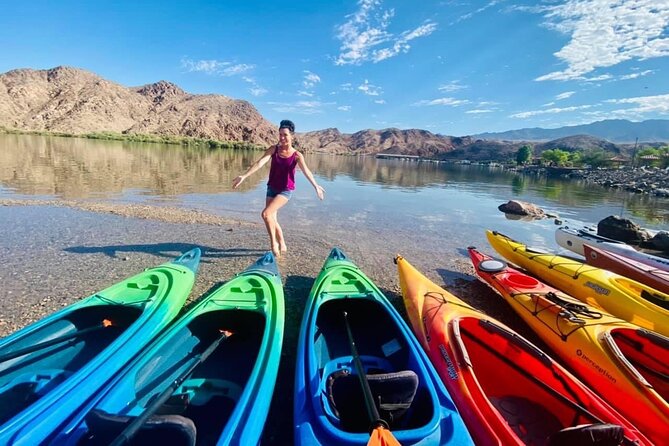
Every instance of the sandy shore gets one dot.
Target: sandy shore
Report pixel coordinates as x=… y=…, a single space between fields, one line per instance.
x=55 y=252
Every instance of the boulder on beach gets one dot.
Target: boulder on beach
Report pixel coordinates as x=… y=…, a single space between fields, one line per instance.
x=622 y=229
x=660 y=241
x=516 y=207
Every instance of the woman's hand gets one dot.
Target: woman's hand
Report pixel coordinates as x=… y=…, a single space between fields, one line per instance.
x=237 y=181
x=320 y=192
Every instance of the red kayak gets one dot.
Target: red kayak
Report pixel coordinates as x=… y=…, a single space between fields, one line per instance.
x=507 y=390
x=625 y=266
x=626 y=365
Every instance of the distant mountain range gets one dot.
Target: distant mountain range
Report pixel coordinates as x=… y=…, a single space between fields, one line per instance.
x=75 y=101
x=614 y=130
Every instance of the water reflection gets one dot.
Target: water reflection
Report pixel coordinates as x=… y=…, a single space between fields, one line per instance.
x=72 y=168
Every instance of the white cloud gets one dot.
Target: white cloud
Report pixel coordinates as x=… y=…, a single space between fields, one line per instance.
x=365 y=36
x=469 y=15
x=452 y=86
x=236 y=69
x=442 y=101
x=305 y=93
x=369 y=89
x=300 y=107
x=380 y=101
x=215 y=67
x=257 y=91
x=310 y=79
x=565 y=95
x=600 y=78
x=478 y=111
x=636 y=75
x=646 y=104
x=549 y=111
x=344 y=108
x=605 y=33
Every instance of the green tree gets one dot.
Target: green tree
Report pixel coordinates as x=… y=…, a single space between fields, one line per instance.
x=575 y=158
x=596 y=158
x=556 y=156
x=524 y=155
x=648 y=151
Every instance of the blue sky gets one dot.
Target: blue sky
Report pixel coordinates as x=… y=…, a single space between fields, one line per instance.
x=450 y=67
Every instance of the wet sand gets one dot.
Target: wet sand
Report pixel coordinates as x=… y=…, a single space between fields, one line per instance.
x=56 y=252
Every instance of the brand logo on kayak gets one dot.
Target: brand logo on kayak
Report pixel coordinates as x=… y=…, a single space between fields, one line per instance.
x=598 y=289
x=450 y=368
x=426 y=330
x=596 y=366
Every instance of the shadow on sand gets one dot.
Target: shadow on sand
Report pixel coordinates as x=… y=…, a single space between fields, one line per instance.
x=167 y=250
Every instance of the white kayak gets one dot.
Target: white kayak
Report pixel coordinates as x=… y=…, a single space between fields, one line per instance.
x=573 y=239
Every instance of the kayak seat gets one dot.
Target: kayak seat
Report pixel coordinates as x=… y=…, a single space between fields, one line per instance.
x=174 y=430
x=601 y=434
x=531 y=422
x=27 y=388
x=393 y=394
x=344 y=365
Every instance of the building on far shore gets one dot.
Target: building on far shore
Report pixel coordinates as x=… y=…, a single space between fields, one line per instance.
x=397 y=156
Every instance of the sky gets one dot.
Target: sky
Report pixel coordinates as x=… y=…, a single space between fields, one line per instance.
x=450 y=67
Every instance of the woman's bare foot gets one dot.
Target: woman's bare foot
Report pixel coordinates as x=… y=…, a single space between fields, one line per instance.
x=283 y=247
x=276 y=250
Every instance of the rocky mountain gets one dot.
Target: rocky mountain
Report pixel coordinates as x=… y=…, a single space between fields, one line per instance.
x=72 y=100
x=75 y=101
x=614 y=130
x=392 y=140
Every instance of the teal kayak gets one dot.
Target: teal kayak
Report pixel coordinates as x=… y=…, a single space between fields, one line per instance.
x=330 y=406
x=223 y=357
x=52 y=367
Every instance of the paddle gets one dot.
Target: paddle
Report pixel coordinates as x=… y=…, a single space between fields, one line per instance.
x=33 y=348
x=380 y=434
x=133 y=427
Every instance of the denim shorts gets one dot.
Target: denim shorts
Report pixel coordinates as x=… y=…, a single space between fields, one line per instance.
x=271 y=193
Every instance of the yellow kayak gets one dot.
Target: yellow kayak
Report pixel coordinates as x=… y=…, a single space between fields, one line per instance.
x=628 y=366
x=623 y=297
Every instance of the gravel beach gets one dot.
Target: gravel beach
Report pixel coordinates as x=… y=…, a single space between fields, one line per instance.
x=56 y=252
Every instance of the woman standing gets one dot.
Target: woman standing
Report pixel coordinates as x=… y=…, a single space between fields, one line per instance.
x=281 y=184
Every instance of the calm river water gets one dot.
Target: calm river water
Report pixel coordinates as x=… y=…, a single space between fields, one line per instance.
x=436 y=206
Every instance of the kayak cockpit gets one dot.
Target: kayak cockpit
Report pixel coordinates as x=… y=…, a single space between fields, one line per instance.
x=38 y=362
x=644 y=353
x=201 y=406
x=519 y=381
x=395 y=378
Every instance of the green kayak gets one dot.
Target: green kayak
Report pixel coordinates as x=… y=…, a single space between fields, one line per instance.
x=51 y=368
x=208 y=379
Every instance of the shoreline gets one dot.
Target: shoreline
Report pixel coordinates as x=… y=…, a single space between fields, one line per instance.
x=56 y=254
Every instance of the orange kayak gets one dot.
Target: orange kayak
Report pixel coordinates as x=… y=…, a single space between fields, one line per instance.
x=507 y=390
x=627 y=365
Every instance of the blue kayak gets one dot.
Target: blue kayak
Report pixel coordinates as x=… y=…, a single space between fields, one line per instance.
x=51 y=368
x=329 y=406
x=223 y=355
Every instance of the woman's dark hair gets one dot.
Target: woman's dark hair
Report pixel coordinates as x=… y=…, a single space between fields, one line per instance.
x=287 y=124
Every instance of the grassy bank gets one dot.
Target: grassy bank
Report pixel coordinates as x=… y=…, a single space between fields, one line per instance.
x=145 y=138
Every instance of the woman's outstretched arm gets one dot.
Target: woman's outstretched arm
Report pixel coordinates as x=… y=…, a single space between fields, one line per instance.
x=307 y=173
x=254 y=167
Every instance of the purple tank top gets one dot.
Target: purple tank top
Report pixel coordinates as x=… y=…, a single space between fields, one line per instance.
x=282 y=172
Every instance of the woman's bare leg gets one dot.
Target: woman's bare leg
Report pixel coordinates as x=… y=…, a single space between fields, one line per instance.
x=272 y=206
x=279 y=236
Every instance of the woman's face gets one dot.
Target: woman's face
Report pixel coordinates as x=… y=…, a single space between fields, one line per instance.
x=285 y=137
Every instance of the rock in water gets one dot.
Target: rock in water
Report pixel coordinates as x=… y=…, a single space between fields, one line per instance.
x=621 y=229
